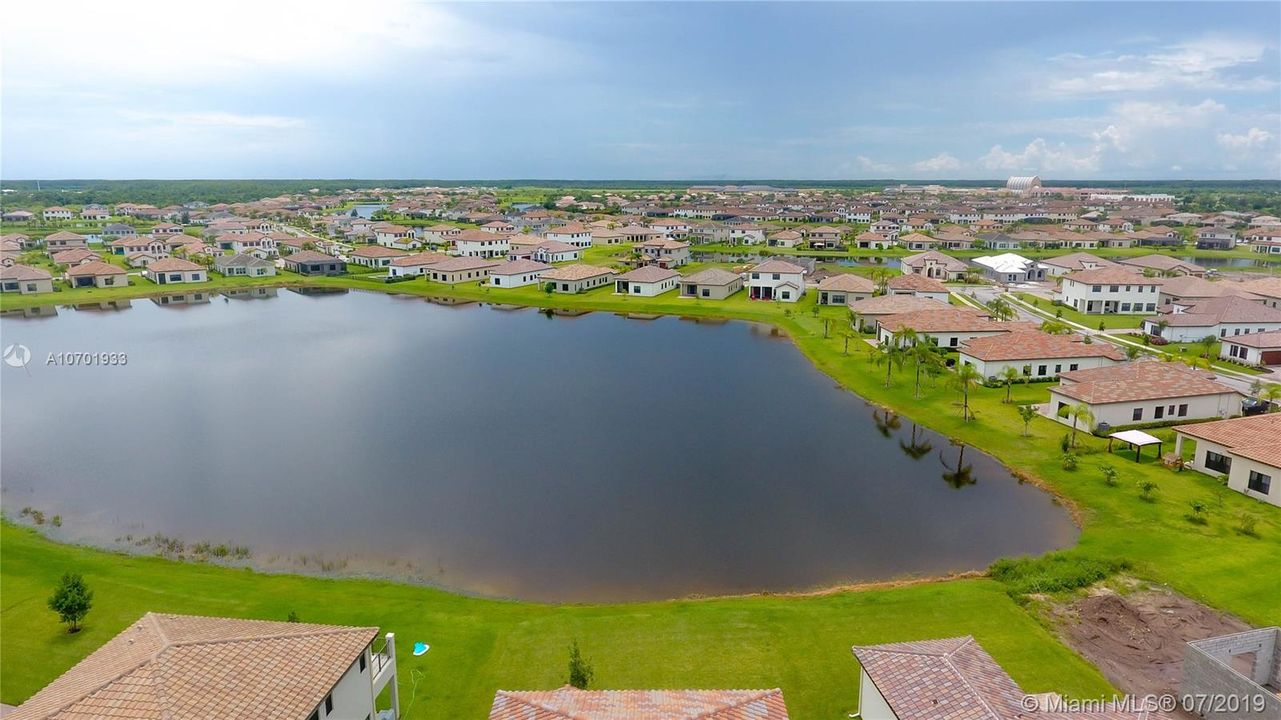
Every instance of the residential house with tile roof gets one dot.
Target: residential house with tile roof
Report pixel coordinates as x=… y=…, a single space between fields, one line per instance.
x=1035 y=354
x=568 y=703
x=1109 y=290
x=776 y=280
x=711 y=284
x=1247 y=450
x=1144 y=391
x=1221 y=317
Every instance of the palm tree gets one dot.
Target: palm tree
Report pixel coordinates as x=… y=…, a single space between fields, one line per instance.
x=1272 y=393
x=1131 y=352
x=889 y=354
x=1001 y=309
x=1207 y=344
x=1009 y=376
x=1080 y=412
x=1054 y=327
x=923 y=358
x=966 y=378
x=1026 y=414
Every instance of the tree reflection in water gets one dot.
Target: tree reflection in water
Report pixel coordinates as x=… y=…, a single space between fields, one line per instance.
x=960 y=475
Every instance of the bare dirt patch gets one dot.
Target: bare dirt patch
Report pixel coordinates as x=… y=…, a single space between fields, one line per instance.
x=1138 y=640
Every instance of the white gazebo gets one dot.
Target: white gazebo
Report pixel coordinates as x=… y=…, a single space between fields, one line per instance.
x=1136 y=439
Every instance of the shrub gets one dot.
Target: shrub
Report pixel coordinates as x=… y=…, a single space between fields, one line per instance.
x=1050 y=573
x=1197 y=516
x=1247 y=524
x=1069 y=461
x=580 y=669
x=1109 y=475
x=1146 y=488
x=72 y=600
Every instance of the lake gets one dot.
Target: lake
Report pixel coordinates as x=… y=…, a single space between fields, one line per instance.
x=1234 y=263
x=495 y=451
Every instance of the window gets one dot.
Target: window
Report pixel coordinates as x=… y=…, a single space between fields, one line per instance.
x=329 y=704
x=362 y=662
x=776 y=276
x=1138 y=414
x=1217 y=462
x=1073 y=366
x=952 y=342
x=1040 y=369
x=1125 y=307
x=315 y=715
x=1183 y=410
x=1259 y=482
x=1160 y=412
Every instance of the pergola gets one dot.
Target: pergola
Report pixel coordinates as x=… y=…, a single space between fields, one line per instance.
x=1136 y=439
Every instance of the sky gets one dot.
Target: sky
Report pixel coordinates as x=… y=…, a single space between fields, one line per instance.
x=664 y=91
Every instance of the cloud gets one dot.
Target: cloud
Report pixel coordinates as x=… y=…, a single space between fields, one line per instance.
x=224 y=120
x=1039 y=156
x=867 y=164
x=941 y=163
x=1252 y=138
x=1212 y=63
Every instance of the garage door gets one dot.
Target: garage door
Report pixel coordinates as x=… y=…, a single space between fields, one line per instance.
x=1272 y=357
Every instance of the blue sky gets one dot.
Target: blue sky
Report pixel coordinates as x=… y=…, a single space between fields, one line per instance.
x=403 y=89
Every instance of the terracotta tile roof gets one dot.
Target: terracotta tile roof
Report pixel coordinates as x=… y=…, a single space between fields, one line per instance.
x=576 y=271
x=1197 y=287
x=309 y=256
x=1266 y=340
x=948 y=319
x=1160 y=262
x=712 y=276
x=1268 y=287
x=478 y=236
x=847 y=282
x=423 y=258
x=24 y=272
x=568 y=703
x=173 y=265
x=568 y=229
x=917 y=238
x=1135 y=381
x=183 y=667
x=460 y=264
x=649 y=274
x=1257 y=438
x=1226 y=309
x=955 y=679
x=556 y=246
x=97 y=267
x=1110 y=276
x=778 y=266
x=1036 y=345
x=516 y=267
x=1077 y=261
x=895 y=304
x=65 y=235
x=947 y=261
x=378 y=251
x=916 y=283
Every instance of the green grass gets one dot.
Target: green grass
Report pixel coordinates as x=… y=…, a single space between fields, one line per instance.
x=801 y=644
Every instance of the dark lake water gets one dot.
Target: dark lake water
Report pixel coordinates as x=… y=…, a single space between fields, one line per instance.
x=1262 y=261
x=495 y=451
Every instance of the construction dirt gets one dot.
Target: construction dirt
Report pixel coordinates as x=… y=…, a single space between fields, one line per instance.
x=1138 y=640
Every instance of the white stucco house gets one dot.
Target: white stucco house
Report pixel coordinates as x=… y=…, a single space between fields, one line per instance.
x=776 y=280
x=517 y=273
x=1146 y=391
x=844 y=288
x=1221 y=317
x=173 y=271
x=578 y=278
x=1036 y=355
x=1109 y=290
x=920 y=286
x=1009 y=268
x=946 y=327
x=481 y=244
x=1253 y=349
x=572 y=233
x=1247 y=450
x=414 y=265
x=647 y=281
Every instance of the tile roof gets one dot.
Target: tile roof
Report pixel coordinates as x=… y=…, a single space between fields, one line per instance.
x=422 y=258
x=778 y=266
x=1135 y=381
x=712 y=276
x=948 y=319
x=1268 y=286
x=1113 y=275
x=1226 y=309
x=1160 y=262
x=568 y=229
x=1036 y=345
x=184 y=667
x=947 y=261
x=1257 y=437
x=173 y=265
x=916 y=283
x=955 y=679
x=97 y=267
x=649 y=274
x=568 y=703
x=309 y=256
x=460 y=264
x=1266 y=340
x=847 y=282
x=577 y=271
x=516 y=267
x=894 y=304
x=24 y=272
x=1077 y=261
x=378 y=251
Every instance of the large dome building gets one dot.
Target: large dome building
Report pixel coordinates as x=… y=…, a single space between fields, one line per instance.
x=1023 y=184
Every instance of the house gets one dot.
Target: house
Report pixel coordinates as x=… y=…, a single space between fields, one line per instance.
x=647 y=281
x=1260 y=348
x=1246 y=449
x=578 y=277
x=130 y=244
x=97 y=274
x=170 y=271
x=143 y=258
x=414 y=265
x=166 y=229
x=458 y=270
x=517 y=273
x=75 y=257
x=25 y=280
x=571 y=233
x=111 y=230
x=481 y=244
x=918 y=286
x=1186 y=289
x=1073 y=262
x=786 y=239
x=554 y=251
x=888 y=228
x=310 y=262
x=436 y=234
x=1145 y=391
x=869 y=240
x=1221 y=317
x=499 y=227
x=711 y=284
x=825 y=238
x=56 y=213
x=568 y=703
x=776 y=280
x=1214 y=238
x=17 y=216
x=1036 y=355
x=397 y=237
x=94 y=212
x=1109 y=290
x=936 y=265
x=1267 y=289
x=844 y=288
x=244 y=265
x=664 y=252
x=223 y=668
x=868 y=312
x=1009 y=268
x=1162 y=265
x=917 y=241
x=955 y=240
x=676 y=229
x=1245 y=665
x=955 y=679
x=64 y=240
x=745 y=235
x=947 y=327
x=376 y=256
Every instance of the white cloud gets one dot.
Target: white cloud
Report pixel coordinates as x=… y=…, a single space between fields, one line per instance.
x=213 y=119
x=867 y=164
x=1251 y=139
x=1039 y=156
x=941 y=163
x=1213 y=63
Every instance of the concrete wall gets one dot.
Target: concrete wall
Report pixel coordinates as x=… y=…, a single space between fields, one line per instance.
x=1053 y=366
x=353 y=696
x=871 y=704
x=1208 y=670
x=1239 y=477
x=1118 y=414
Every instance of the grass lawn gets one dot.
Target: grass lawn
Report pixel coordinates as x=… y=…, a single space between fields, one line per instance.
x=798 y=643
x=1110 y=321
x=801 y=644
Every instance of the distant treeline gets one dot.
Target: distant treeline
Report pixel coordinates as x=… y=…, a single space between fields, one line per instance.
x=171 y=192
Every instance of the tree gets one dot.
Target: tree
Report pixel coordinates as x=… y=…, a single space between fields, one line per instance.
x=1009 y=376
x=72 y=600
x=1026 y=414
x=1109 y=475
x=1001 y=309
x=889 y=354
x=580 y=669
x=1080 y=412
x=1207 y=344
x=1272 y=393
x=918 y=447
x=1131 y=352
x=1054 y=327
x=923 y=359
x=966 y=378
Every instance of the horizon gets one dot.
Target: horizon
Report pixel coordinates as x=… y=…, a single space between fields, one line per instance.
x=716 y=91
